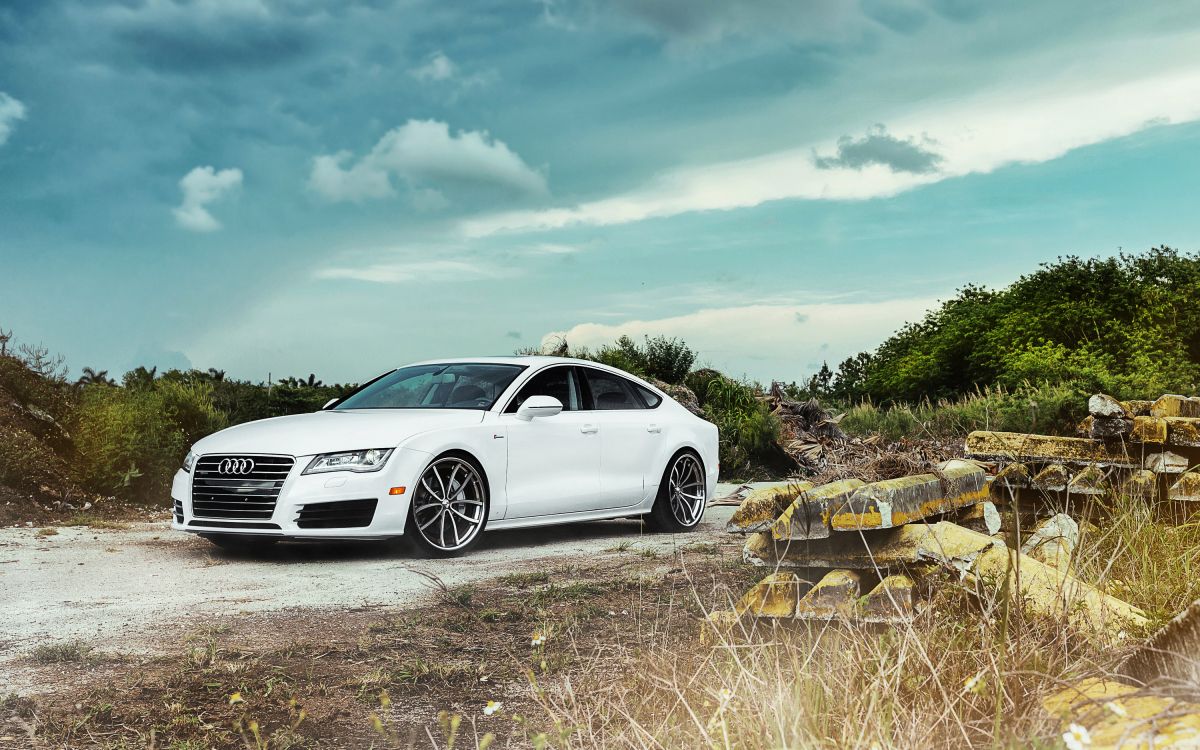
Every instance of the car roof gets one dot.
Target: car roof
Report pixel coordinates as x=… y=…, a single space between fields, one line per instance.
x=516 y=359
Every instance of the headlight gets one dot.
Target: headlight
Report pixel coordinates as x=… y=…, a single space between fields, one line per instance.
x=189 y=461
x=358 y=461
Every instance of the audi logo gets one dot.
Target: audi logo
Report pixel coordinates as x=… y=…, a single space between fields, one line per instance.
x=235 y=466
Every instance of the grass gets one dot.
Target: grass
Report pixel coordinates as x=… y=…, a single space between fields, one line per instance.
x=47 y=531
x=94 y=522
x=64 y=652
x=618 y=665
x=1053 y=409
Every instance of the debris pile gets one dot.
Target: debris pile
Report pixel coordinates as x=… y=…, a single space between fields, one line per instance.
x=1143 y=448
x=813 y=438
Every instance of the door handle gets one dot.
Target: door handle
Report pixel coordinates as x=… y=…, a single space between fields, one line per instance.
x=589 y=428
x=653 y=428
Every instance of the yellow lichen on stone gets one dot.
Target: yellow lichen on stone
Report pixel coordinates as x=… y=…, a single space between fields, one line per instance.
x=807 y=509
x=1092 y=480
x=892 y=598
x=1117 y=715
x=835 y=595
x=1187 y=489
x=1053 y=478
x=1183 y=431
x=1013 y=475
x=762 y=506
x=1141 y=483
x=773 y=596
x=1017 y=446
x=1172 y=405
x=1149 y=430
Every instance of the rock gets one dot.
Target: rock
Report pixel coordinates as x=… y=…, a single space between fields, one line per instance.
x=1053 y=541
x=773 y=596
x=1019 y=446
x=1053 y=478
x=1102 y=405
x=1092 y=480
x=834 y=596
x=1166 y=463
x=891 y=600
x=1149 y=430
x=1141 y=483
x=1107 y=428
x=1186 y=489
x=1172 y=405
x=983 y=517
x=1183 y=431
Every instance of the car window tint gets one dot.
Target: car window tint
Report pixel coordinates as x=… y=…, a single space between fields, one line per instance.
x=558 y=382
x=651 y=398
x=610 y=392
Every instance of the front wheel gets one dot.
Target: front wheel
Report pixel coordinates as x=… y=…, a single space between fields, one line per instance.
x=681 y=495
x=449 y=507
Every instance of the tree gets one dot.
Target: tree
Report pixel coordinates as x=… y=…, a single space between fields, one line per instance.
x=93 y=377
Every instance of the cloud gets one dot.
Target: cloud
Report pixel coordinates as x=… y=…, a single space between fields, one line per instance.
x=423 y=151
x=765 y=341
x=202 y=186
x=1027 y=123
x=515 y=335
x=438 y=67
x=401 y=272
x=11 y=110
x=204 y=35
x=879 y=147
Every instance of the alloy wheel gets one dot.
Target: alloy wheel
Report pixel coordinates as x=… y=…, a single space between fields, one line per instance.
x=685 y=489
x=449 y=504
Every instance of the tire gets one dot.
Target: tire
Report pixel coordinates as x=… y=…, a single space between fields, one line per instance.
x=449 y=508
x=676 y=510
x=241 y=543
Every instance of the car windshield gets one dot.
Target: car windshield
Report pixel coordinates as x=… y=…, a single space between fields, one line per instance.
x=453 y=386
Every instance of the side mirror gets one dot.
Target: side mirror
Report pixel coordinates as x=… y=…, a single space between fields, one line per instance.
x=539 y=406
x=330 y=403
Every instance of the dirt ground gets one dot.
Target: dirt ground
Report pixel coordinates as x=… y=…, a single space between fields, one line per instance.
x=124 y=637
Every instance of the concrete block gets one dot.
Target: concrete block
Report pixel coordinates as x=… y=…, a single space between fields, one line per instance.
x=1186 y=489
x=1141 y=483
x=1172 y=405
x=773 y=596
x=982 y=517
x=1108 y=428
x=1019 y=446
x=762 y=506
x=807 y=516
x=1105 y=406
x=891 y=600
x=1166 y=462
x=1053 y=541
x=895 y=502
x=1138 y=408
x=834 y=596
x=1091 y=480
x=1183 y=431
x=1053 y=478
x=1014 y=475
x=1149 y=430
x=1118 y=715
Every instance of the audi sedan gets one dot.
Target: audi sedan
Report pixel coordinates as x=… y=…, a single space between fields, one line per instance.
x=437 y=452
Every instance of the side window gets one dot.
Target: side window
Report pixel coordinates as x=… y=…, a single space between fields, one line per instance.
x=651 y=398
x=610 y=391
x=559 y=382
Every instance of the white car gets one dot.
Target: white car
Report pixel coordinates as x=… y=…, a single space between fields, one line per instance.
x=438 y=451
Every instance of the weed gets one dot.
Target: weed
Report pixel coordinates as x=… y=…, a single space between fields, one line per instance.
x=64 y=652
x=94 y=522
x=526 y=579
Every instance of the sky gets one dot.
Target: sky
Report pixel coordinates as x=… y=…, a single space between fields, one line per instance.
x=288 y=187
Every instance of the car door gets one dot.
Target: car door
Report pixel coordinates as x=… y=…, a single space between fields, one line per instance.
x=630 y=437
x=553 y=462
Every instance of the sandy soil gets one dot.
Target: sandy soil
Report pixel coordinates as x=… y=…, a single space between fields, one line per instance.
x=144 y=589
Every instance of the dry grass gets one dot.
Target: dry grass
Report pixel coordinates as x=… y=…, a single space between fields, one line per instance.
x=608 y=656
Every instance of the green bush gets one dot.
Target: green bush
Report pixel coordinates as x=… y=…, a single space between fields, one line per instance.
x=748 y=430
x=669 y=360
x=131 y=441
x=1054 y=409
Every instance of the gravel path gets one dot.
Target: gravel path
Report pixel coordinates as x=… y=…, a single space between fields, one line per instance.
x=140 y=590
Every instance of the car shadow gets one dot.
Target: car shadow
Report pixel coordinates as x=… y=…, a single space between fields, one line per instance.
x=304 y=551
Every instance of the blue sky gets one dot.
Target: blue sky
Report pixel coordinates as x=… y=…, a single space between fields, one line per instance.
x=295 y=186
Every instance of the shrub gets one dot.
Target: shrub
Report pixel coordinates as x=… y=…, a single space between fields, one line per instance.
x=748 y=431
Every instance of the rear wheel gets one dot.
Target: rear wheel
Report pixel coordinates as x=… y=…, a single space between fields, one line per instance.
x=681 y=495
x=243 y=543
x=449 y=507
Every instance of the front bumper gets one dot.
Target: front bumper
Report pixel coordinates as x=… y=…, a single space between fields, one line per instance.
x=307 y=491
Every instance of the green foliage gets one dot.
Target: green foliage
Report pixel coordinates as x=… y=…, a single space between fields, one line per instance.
x=1125 y=325
x=667 y=359
x=748 y=431
x=1054 y=409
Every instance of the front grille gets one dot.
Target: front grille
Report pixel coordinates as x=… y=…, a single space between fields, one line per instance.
x=343 y=514
x=222 y=490
x=178 y=511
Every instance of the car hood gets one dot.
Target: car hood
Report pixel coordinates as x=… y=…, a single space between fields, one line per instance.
x=329 y=431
